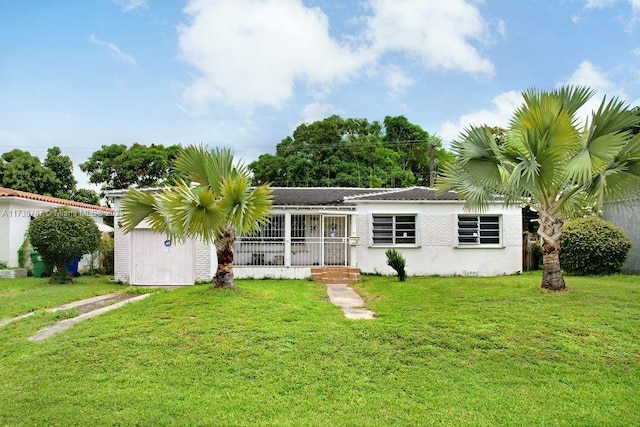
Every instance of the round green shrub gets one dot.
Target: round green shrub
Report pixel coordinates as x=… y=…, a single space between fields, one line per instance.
x=62 y=234
x=592 y=245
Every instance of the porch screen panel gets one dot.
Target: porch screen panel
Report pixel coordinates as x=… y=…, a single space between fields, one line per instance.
x=264 y=247
x=306 y=239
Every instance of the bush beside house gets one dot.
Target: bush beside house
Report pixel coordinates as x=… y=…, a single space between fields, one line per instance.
x=592 y=245
x=61 y=235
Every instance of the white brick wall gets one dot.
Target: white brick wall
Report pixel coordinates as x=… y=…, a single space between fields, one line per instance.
x=437 y=252
x=203 y=261
x=122 y=249
x=438 y=229
x=512 y=230
x=362 y=230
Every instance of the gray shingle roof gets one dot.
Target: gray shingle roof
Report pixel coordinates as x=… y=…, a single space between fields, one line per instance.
x=337 y=196
x=326 y=196
x=412 y=194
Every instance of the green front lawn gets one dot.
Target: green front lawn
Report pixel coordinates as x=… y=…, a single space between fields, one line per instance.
x=444 y=351
x=18 y=296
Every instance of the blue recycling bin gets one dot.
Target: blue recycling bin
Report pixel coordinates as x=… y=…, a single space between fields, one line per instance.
x=72 y=266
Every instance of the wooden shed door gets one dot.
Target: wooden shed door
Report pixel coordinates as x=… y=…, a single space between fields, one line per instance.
x=156 y=262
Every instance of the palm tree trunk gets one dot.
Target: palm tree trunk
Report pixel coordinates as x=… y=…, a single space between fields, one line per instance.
x=551 y=272
x=550 y=231
x=224 y=250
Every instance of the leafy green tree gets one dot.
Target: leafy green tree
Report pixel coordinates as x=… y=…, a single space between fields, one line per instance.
x=498 y=133
x=219 y=204
x=85 y=195
x=419 y=152
x=62 y=234
x=64 y=183
x=550 y=162
x=19 y=170
x=333 y=152
x=116 y=166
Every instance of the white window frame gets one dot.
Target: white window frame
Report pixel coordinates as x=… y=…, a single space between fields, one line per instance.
x=474 y=236
x=394 y=230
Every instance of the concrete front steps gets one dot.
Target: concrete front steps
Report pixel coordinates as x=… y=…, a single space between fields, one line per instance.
x=335 y=275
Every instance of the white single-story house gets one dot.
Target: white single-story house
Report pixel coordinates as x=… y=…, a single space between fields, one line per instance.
x=18 y=208
x=349 y=228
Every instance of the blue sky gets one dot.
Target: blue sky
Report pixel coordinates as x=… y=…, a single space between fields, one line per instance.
x=244 y=73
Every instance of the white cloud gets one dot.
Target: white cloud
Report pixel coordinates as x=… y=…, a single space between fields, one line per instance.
x=439 y=33
x=258 y=52
x=503 y=108
x=318 y=111
x=396 y=80
x=254 y=52
x=505 y=104
x=602 y=4
x=130 y=5
x=598 y=4
x=115 y=51
x=630 y=21
x=502 y=28
x=589 y=75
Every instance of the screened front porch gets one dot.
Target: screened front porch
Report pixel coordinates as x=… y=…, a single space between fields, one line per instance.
x=297 y=240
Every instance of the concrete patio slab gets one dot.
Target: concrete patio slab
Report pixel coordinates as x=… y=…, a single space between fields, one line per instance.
x=349 y=301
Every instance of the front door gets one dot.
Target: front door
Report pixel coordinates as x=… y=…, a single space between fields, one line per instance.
x=335 y=240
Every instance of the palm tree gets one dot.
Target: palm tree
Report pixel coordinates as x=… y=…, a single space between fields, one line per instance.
x=214 y=206
x=551 y=162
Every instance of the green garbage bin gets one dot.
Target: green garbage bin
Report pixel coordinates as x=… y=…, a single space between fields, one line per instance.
x=40 y=267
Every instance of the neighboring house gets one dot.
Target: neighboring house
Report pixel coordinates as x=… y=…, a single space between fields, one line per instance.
x=625 y=216
x=18 y=208
x=338 y=227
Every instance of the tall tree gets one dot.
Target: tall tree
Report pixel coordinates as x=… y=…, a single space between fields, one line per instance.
x=62 y=167
x=550 y=162
x=116 y=166
x=22 y=171
x=217 y=205
x=333 y=152
x=85 y=195
x=419 y=152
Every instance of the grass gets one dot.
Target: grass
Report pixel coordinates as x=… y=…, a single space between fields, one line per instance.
x=444 y=351
x=23 y=295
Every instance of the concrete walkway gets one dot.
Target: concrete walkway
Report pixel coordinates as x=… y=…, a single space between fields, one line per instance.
x=62 y=307
x=63 y=325
x=351 y=303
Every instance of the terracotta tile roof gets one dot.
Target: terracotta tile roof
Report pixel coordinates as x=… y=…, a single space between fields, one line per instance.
x=8 y=192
